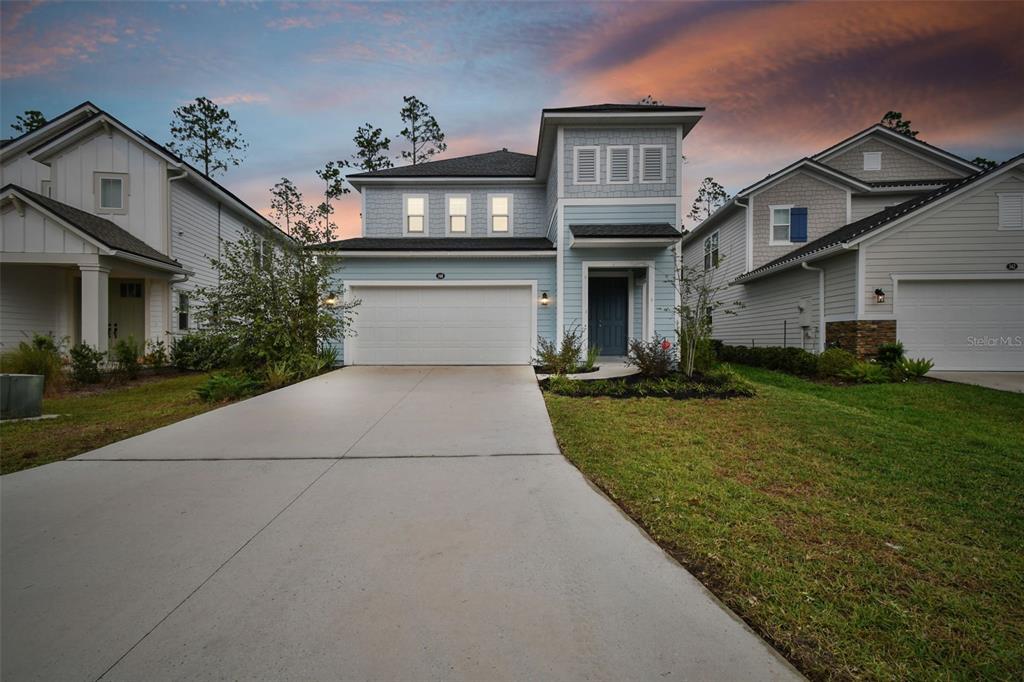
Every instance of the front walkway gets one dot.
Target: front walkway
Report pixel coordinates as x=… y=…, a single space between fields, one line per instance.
x=300 y=535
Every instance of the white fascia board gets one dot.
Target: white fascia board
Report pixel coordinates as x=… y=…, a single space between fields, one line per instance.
x=457 y=180
x=33 y=138
x=435 y=254
x=800 y=165
x=621 y=242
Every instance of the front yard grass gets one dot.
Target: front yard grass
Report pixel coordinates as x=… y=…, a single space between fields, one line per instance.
x=92 y=420
x=868 y=532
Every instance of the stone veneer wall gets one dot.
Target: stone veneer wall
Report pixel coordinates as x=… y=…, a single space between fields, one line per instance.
x=860 y=337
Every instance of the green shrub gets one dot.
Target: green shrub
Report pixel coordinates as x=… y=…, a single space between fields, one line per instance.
x=890 y=354
x=125 y=355
x=867 y=373
x=785 y=359
x=222 y=387
x=725 y=379
x=916 y=368
x=308 y=366
x=41 y=356
x=561 y=358
x=654 y=358
x=720 y=382
x=592 y=354
x=278 y=374
x=201 y=352
x=329 y=355
x=704 y=354
x=834 y=361
x=156 y=354
x=85 y=363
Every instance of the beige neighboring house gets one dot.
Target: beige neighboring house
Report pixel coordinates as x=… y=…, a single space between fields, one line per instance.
x=881 y=237
x=104 y=232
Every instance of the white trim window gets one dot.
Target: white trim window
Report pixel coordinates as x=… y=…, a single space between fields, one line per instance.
x=183 y=310
x=499 y=209
x=111 y=192
x=620 y=165
x=457 y=213
x=653 y=158
x=872 y=161
x=414 y=214
x=1011 y=211
x=586 y=165
x=711 y=258
x=781 y=220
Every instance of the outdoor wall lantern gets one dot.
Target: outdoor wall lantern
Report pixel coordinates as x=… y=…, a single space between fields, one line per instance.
x=879 y=296
x=544 y=300
x=331 y=300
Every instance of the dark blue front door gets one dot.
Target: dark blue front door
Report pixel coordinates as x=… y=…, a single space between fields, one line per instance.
x=607 y=310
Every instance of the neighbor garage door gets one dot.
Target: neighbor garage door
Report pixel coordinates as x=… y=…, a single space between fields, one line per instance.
x=963 y=324
x=443 y=325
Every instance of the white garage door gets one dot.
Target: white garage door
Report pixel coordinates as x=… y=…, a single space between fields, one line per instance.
x=963 y=324
x=443 y=325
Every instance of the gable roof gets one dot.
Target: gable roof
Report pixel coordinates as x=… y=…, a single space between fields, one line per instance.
x=97 y=116
x=497 y=164
x=54 y=126
x=900 y=138
x=859 y=229
x=100 y=229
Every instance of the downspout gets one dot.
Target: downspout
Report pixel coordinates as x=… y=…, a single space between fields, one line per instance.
x=821 y=303
x=182 y=174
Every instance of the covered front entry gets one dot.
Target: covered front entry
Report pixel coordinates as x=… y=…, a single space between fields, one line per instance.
x=608 y=308
x=442 y=323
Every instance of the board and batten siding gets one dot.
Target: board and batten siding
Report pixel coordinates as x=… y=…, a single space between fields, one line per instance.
x=73 y=182
x=864 y=205
x=24 y=172
x=958 y=236
x=33 y=232
x=36 y=300
x=542 y=270
x=897 y=163
x=618 y=136
x=385 y=213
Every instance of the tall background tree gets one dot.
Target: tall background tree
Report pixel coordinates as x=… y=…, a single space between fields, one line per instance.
x=31 y=120
x=710 y=195
x=421 y=131
x=334 y=188
x=205 y=133
x=372 y=148
x=984 y=163
x=649 y=99
x=286 y=204
x=894 y=121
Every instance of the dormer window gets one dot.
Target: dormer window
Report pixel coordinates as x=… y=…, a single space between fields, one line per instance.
x=872 y=161
x=111 y=191
x=415 y=213
x=652 y=163
x=585 y=171
x=458 y=214
x=620 y=165
x=500 y=213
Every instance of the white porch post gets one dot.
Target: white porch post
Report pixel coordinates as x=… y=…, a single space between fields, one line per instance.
x=95 y=302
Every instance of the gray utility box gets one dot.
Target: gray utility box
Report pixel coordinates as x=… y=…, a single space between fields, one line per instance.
x=21 y=395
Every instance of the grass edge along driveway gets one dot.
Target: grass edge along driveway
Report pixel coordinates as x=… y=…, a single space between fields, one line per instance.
x=866 y=531
x=89 y=421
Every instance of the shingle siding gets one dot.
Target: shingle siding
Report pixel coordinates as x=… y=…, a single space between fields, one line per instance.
x=897 y=164
x=633 y=137
x=826 y=211
x=385 y=214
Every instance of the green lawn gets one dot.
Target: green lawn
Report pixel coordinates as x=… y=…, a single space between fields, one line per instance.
x=90 y=421
x=867 y=531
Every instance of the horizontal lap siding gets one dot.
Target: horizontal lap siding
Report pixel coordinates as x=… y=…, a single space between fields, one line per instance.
x=958 y=237
x=840 y=285
x=542 y=270
x=623 y=214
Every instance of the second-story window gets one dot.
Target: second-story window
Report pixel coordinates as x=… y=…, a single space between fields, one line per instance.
x=111 y=192
x=501 y=213
x=458 y=214
x=711 y=251
x=415 y=214
x=620 y=165
x=789 y=225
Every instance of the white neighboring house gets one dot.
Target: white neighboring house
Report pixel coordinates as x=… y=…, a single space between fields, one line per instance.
x=104 y=232
x=879 y=238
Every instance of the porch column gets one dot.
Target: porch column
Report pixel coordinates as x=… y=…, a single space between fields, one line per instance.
x=95 y=303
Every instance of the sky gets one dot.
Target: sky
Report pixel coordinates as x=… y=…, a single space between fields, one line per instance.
x=780 y=80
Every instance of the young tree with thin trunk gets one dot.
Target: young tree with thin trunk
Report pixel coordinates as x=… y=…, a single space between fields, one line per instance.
x=334 y=187
x=286 y=203
x=700 y=299
x=421 y=131
x=372 y=149
x=710 y=196
x=31 y=120
x=205 y=133
x=894 y=121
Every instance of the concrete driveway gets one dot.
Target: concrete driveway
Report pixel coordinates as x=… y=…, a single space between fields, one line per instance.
x=352 y=526
x=1000 y=381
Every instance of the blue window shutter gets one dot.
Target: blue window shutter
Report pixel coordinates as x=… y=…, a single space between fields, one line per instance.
x=798 y=224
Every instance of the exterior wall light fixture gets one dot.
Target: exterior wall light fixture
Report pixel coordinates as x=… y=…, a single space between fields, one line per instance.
x=544 y=300
x=879 y=296
x=331 y=300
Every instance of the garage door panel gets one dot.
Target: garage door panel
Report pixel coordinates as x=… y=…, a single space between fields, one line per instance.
x=447 y=324
x=963 y=324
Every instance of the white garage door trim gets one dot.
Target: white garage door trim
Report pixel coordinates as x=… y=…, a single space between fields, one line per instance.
x=353 y=286
x=949 y=277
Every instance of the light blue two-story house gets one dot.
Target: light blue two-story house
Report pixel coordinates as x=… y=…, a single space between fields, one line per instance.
x=469 y=260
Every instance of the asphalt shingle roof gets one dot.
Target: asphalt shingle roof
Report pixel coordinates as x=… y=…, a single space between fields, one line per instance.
x=912 y=183
x=501 y=163
x=96 y=227
x=876 y=221
x=613 y=108
x=636 y=230
x=439 y=244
